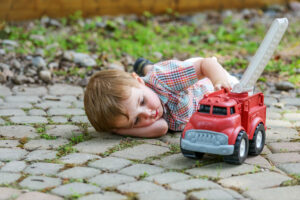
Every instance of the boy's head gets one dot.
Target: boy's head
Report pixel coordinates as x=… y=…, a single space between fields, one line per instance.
x=115 y=99
x=103 y=96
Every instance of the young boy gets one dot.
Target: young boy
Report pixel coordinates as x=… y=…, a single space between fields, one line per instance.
x=165 y=98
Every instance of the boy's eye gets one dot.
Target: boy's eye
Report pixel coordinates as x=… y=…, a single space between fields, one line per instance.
x=136 y=121
x=143 y=101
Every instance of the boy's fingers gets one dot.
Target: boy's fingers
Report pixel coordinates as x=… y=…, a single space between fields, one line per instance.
x=227 y=87
x=218 y=87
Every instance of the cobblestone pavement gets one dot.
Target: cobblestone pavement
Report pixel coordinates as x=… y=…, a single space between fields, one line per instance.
x=48 y=151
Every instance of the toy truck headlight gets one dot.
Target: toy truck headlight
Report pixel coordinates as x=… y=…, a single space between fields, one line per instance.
x=220 y=140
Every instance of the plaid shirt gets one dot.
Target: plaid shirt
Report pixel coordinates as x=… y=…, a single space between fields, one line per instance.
x=179 y=90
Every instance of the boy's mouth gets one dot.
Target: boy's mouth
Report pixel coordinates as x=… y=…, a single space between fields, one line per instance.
x=155 y=114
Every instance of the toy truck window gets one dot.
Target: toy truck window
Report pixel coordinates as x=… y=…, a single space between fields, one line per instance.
x=219 y=110
x=232 y=110
x=204 y=109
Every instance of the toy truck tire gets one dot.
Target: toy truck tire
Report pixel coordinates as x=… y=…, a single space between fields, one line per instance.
x=241 y=148
x=257 y=143
x=192 y=154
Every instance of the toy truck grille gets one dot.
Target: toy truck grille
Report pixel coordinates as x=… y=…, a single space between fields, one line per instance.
x=207 y=137
x=207 y=142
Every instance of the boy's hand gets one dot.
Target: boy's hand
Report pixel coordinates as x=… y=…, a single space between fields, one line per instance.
x=210 y=68
x=222 y=84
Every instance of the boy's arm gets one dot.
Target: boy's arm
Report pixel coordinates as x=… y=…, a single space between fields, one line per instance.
x=157 y=129
x=210 y=68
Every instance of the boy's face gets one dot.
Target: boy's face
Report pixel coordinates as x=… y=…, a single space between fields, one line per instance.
x=143 y=108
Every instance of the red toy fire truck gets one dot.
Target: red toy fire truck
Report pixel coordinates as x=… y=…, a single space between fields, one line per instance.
x=233 y=124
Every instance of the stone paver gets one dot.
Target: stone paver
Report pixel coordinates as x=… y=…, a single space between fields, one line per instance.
x=41 y=155
x=20 y=98
x=162 y=195
x=276 y=134
x=221 y=170
x=12 y=112
x=282 y=193
x=141 y=152
x=284 y=157
x=9 y=143
x=39 y=182
x=292 y=116
x=7 y=178
x=80 y=119
x=65 y=111
x=75 y=189
x=29 y=91
x=104 y=196
x=278 y=123
x=7 y=154
x=63 y=89
x=282 y=147
x=65 y=131
x=176 y=161
x=38 y=196
x=45 y=144
x=5 y=91
x=28 y=119
x=172 y=138
x=141 y=170
x=96 y=145
x=9 y=193
x=40 y=168
x=17 y=131
x=14 y=166
x=258 y=161
x=53 y=104
x=273 y=115
x=68 y=98
x=290 y=101
x=110 y=164
x=79 y=173
x=78 y=104
x=290 y=168
x=111 y=179
x=78 y=158
x=37 y=112
x=212 y=194
x=59 y=119
x=10 y=105
x=192 y=184
x=168 y=177
x=139 y=187
x=254 y=181
x=270 y=100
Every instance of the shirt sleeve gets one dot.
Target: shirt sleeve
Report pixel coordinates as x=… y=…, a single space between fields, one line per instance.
x=175 y=75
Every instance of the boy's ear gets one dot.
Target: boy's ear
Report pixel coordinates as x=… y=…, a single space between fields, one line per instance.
x=139 y=79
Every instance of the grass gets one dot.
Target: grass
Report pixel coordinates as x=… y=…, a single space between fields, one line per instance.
x=125 y=143
x=232 y=39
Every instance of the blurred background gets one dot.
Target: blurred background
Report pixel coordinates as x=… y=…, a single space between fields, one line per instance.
x=31 y=9
x=66 y=41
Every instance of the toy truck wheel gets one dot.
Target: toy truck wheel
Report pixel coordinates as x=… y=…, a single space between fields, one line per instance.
x=256 y=145
x=192 y=154
x=240 y=150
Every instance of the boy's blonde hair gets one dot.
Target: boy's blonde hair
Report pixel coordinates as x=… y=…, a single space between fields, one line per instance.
x=103 y=96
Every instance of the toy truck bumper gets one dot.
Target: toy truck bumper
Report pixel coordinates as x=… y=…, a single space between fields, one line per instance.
x=205 y=141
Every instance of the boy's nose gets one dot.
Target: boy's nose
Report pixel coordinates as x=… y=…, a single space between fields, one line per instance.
x=147 y=112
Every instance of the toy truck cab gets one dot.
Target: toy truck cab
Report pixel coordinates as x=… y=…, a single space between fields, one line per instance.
x=224 y=124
